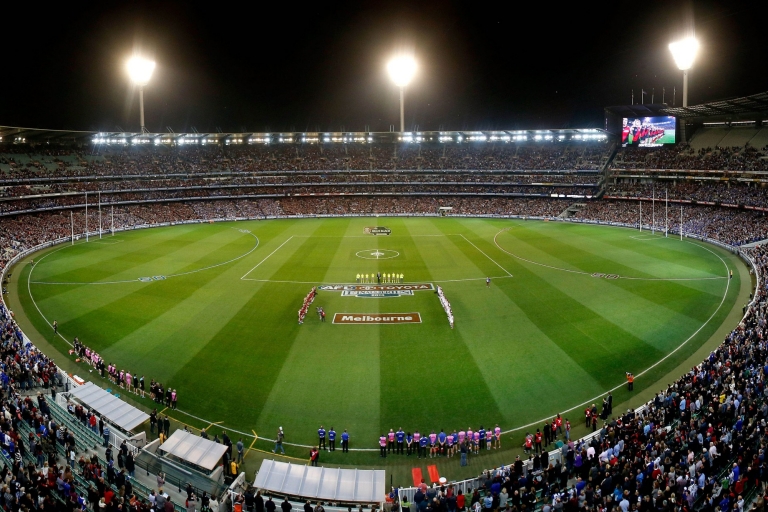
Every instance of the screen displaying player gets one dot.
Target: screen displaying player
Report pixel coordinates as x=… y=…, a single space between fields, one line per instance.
x=648 y=132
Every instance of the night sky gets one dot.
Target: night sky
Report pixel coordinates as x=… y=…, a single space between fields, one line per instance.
x=307 y=66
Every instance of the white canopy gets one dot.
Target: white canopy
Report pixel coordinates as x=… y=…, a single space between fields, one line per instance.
x=330 y=484
x=194 y=449
x=117 y=412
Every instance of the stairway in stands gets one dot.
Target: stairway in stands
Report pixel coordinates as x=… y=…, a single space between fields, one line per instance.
x=571 y=211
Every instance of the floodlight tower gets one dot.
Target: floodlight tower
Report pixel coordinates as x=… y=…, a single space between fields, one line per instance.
x=684 y=52
x=140 y=70
x=401 y=70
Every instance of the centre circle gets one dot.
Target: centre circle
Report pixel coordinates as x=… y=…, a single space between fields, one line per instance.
x=377 y=254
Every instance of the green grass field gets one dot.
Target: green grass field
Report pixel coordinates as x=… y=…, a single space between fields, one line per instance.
x=219 y=323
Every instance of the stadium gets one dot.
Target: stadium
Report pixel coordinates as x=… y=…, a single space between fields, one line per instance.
x=521 y=319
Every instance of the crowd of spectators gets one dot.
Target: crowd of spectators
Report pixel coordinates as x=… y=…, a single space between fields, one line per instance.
x=111 y=161
x=745 y=159
x=726 y=192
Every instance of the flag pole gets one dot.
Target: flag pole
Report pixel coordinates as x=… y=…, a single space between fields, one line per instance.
x=72 y=224
x=666 y=213
x=112 y=215
x=681 y=223
x=641 y=214
x=653 y=211
x=86 y=216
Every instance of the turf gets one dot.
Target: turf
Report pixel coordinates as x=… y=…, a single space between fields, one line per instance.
x=549 y=338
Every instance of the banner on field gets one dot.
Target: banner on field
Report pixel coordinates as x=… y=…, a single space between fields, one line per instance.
x=377 y=230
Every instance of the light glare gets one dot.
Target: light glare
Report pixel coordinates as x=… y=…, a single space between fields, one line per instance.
x=140 y=70
x=401 y=70
x=684 y=52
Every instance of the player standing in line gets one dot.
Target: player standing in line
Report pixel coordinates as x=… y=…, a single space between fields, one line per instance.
x=487 y=282
x=441 y=437
x=476 y=442
x=345 y=441
x=321 y=438
x=331 y=440
x=400 y=438
x=449 y=440
x=462 y=437
x=383 y=445
x=423 y=446
x=482 y=432
x=408 y=443
x=432 y=444
x=391 y=441
x=417 y=440
x=497 y=436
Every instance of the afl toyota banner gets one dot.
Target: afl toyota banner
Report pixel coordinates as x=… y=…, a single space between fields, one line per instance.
x=377 y=230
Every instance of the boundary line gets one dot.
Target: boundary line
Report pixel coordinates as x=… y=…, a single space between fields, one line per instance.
x=697 y=331
x=722 y=301
x=265 y=259
x=481 y=252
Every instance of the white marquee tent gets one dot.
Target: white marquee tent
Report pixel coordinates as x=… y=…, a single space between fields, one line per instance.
x=328 y=484
x=116 y=411
x=194 y=449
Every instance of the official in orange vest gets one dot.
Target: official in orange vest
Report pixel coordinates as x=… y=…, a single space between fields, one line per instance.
x=630 y=382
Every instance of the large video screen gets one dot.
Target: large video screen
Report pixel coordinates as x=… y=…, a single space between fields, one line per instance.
x=648 y=132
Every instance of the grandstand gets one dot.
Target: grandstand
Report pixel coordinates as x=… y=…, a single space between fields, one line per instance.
x=714 y=412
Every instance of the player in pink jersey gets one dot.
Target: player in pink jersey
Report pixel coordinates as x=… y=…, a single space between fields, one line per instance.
x=128 y=381
x=497 y=436
x=470 y=436
x=476 y=442
x=449 y=441
x=432 y=444
x=462 y=436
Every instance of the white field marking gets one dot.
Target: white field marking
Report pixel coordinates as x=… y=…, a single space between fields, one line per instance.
x=504 y=432
x=644 y=238
x=471 y=279
x=481 y=252
x=593 y=399
x=265 y=259
x=590 y=273
x=250 y=434
x=318 y=283
x=369 y=236
x=167 y=276
x=107 y=241
x=29 y=291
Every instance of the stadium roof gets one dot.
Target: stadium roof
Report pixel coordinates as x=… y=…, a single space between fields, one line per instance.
x=753 y=108
x=17 y=135
x=117 y=412
x=748 y=108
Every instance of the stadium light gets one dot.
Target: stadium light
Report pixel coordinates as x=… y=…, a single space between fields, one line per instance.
x=401 y=70
x=684 y=52
x=140 y=70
